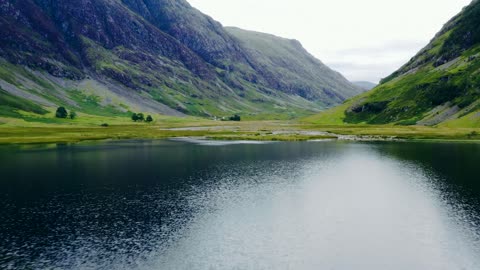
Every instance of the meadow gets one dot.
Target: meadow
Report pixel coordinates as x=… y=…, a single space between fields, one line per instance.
x=48 y=129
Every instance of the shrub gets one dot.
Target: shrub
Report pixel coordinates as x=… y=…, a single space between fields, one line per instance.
x=61 y=112
x=236 y=117
x=149 y=119
x=135 y=117
x=73 y=115
x=472 y=135
x=140 y=117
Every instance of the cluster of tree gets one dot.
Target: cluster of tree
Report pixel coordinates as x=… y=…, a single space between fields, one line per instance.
x=472 y=135
x=140 y=117
x=236 y=117
x=63 y=113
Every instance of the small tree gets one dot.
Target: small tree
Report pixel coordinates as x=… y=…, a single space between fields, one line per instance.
x=236 y=117
x=135 y=117
x=140 y=117
x=73 y=115
x=149 y=119
x=472 y=134
x=61 y=112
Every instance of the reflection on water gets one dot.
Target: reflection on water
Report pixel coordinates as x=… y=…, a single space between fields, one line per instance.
x=178 y=205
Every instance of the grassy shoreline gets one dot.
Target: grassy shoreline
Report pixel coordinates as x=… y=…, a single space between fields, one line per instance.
x=20 y=132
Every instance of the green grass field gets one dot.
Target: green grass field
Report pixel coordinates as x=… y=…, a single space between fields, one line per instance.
x=48 y=129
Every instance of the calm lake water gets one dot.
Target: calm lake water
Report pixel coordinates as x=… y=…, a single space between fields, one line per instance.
x=183 y=205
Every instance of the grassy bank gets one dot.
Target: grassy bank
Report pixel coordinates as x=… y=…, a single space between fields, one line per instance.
x=401 y=132
x=87 y=127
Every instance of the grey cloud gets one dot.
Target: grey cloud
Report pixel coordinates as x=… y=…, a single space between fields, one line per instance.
x=383 y=49
x=383 y=59
x=364 y=71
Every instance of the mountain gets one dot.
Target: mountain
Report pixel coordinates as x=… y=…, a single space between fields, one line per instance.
x=109 y=57
x=439 y=85
x=288 y=66
x=365 y=85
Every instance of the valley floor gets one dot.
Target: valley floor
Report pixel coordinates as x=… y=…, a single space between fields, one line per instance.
x=16 y=131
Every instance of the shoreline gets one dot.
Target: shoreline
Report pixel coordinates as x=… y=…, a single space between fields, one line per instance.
x=227 y=138
x=238 y=131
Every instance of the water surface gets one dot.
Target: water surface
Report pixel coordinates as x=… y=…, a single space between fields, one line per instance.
x=194 y=205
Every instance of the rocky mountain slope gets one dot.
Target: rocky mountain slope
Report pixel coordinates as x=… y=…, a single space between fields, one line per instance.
x=109 y=57
x=440 y=85
x=286 y=65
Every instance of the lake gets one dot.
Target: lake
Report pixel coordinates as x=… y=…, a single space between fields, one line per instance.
x=235 y=205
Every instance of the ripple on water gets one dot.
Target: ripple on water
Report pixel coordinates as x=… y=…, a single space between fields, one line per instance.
x=338 y=206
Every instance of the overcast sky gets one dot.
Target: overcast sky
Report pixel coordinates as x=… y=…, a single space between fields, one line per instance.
x=363 y=39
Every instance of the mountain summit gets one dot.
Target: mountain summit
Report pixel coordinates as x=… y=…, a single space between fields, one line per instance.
x=161 y=56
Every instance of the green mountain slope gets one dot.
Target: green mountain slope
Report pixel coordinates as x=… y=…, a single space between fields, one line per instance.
x=109 y=57
x=440 y=85
x=287 y=65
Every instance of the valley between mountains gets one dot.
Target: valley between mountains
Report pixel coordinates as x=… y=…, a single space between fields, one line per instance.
x=106 y=60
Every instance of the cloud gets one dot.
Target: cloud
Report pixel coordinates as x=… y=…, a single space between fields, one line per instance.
x=372 y=72
x=372 y=63
x=373 y=35
x=393 y=47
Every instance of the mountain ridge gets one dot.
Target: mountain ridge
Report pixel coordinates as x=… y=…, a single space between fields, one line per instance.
x=144 y=55
x=293 y=59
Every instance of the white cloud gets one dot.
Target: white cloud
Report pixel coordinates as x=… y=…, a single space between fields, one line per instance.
x=370 y=37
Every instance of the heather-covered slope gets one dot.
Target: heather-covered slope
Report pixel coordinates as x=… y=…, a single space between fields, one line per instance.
x=161 y=56
x=440 y=85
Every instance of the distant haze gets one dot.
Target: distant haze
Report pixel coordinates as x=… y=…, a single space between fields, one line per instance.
x=364 y=40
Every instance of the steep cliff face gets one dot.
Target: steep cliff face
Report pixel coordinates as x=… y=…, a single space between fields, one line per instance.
x=29 y=37
x=199 y=32
x=39 y=29
x=439 y=85
x=149 y=54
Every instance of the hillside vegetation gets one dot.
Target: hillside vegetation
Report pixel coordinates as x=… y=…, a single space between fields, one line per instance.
x=109 y=57
x=439 y=86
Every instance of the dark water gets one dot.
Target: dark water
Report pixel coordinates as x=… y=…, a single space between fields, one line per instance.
x=179 y=205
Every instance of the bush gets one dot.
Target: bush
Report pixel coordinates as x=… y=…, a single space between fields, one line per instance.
x=472 y=135
x=73 y=115
x=104 y=125
x=61 y=112
x=441 y=92
x=139 y=117
x=236 y=117
x=149 y=119
x=135 y=117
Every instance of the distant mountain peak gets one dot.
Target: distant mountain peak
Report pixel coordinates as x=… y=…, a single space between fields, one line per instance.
x=365 y=85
